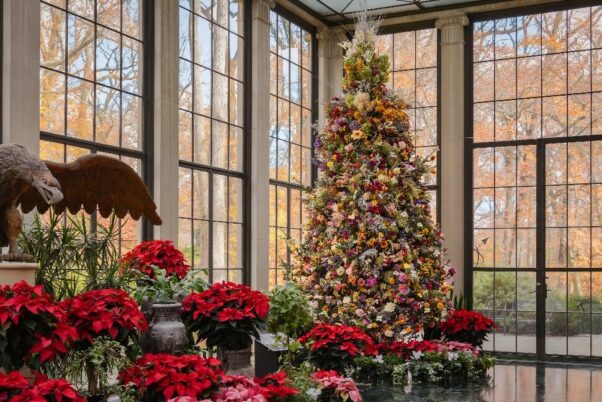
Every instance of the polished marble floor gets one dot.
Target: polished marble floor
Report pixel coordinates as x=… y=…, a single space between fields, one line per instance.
x=510 y=382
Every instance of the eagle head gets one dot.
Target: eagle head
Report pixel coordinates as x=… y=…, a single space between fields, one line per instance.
x=48 y=186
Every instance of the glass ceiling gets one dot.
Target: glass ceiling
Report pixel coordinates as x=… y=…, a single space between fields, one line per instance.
x=344 y=10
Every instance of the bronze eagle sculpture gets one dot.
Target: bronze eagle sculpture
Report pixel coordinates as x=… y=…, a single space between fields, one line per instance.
x=94 y=182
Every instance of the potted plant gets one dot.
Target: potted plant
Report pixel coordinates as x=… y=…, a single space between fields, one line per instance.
x=32 y=327
x=106 y=313
x=163 y=281
x=289 y=317
x=15 y=388
x=161 y=254
x=163 y=294
x=163 y=377
x=227 y=315
x=334 y=346
x=467 y=326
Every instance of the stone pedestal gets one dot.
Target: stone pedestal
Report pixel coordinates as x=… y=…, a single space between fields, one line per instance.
x=13 y=272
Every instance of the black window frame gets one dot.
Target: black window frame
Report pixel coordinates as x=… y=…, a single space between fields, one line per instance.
x=146 y=152
x=244 y=174
x=540 y=143
x=417 y=26
x=314 y=101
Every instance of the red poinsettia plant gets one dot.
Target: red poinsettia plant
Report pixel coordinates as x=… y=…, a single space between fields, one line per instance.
x=12 y=384
x=407 y=350
x=467 y=326
x=32 y=327
x=161 y=377
x=15 y=388
x=334 y=346
x=227 y=314
x=157 y=253
x=274 y=388
x=105 y=312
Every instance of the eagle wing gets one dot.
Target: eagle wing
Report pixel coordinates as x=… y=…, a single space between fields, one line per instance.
x=97 y=181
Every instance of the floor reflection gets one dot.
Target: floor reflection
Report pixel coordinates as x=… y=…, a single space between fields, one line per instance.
x=510 y=382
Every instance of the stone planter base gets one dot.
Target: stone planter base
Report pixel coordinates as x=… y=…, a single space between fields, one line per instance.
x=13 y=272
x=234 y=359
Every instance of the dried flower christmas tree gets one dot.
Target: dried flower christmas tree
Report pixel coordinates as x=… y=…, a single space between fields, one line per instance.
x=372 y=256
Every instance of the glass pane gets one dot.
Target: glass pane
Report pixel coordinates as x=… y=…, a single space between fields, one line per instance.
x=80 y=109
x=132 y=18
x=107 y=115
x=556 y=313
x=131 y=122
x=201 y=195
x=52 y=102
x=220 y=197
x=80 y=47
x=52 y=37
x=131 y=74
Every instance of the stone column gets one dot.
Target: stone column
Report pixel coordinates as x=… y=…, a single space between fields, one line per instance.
x=166 y=150
x=330 y=66
x=260 y=147
x=21 y=73
x=452 y=141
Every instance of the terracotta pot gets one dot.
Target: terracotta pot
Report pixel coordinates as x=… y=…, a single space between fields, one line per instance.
x=234 y=359
x=167 y=333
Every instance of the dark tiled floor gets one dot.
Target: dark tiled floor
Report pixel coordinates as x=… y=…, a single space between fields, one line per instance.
x=510 y=382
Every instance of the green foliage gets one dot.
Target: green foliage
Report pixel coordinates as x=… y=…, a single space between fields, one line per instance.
x=163 y=288
x=300 y=379
x=92 y=370
x=75 y=254
x=372 y=371
x=460 y=303
x=576 y=322
x=290 y=313
x=431 y=368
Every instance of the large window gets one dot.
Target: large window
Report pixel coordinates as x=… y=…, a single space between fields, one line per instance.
x=91 y=83
x=537 y=180
x=291 y=117
x=211 y=136
x=413 y=56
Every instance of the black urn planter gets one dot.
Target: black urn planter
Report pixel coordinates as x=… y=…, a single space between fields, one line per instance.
x=267 y=354
x=166 y=333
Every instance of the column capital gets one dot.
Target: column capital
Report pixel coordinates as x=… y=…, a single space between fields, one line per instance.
x=329 y=40
x=452 y=29
x=452 y=21
x=261 y=10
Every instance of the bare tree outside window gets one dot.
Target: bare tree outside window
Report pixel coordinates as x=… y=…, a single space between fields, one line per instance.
x=91 y=84
x=211 y=94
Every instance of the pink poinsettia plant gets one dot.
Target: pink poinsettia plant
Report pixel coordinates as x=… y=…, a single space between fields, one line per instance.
x=334 y=346
x=33 y=328
x=227 y=314
x=467 y=326
x=16 y=388
x=334 y=386
x=157 y=253
x=271 y=388
x=104 y=313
